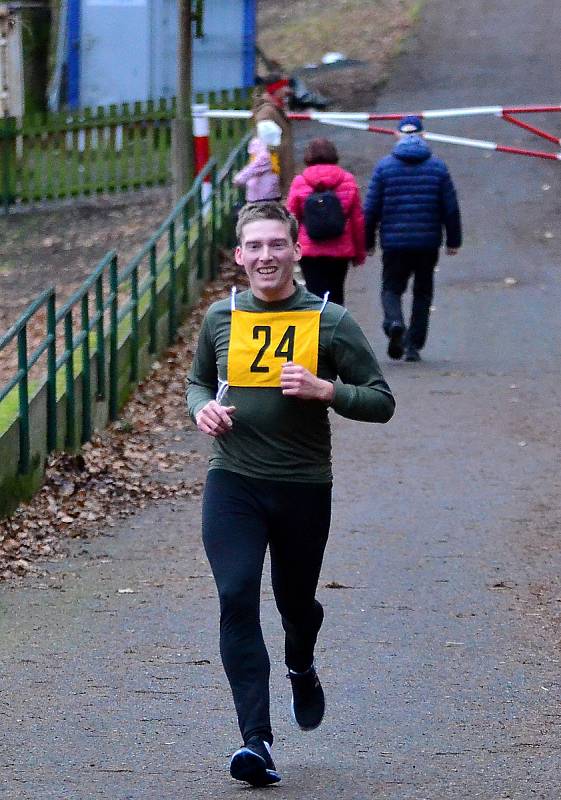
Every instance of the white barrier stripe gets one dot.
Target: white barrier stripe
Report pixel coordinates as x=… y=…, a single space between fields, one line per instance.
x=359 y=126
x=461 y=112
x=225 y=113
x=439 y=137
x=435 y=137
x=229 y=113
x=200 y=120
x=440 y=113
x=350 y=115
x=217 y=113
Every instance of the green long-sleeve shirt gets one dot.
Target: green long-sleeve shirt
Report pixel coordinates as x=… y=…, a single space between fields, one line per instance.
x=286 y=438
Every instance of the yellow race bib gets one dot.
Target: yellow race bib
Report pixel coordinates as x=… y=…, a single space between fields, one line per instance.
x=260 y=343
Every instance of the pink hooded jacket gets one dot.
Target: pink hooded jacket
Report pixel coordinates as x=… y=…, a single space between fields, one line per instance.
x=351 y=243
x=260 y=182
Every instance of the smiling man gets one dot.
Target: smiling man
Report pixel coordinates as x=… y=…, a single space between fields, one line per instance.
x=269 y=365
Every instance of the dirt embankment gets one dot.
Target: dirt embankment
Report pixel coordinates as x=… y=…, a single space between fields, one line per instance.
x=369 y=31
x=60 y=245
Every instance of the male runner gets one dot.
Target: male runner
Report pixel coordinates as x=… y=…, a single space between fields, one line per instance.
x=270 y=363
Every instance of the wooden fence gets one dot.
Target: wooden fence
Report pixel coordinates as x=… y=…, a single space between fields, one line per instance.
x=111 y=149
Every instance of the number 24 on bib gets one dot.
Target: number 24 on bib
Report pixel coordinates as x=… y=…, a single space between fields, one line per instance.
x=260 y=343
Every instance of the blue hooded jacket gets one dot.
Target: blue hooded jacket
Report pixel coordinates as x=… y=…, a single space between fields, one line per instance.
x=411 y=197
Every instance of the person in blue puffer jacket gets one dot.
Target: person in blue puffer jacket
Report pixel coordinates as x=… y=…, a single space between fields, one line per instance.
x=412 y=199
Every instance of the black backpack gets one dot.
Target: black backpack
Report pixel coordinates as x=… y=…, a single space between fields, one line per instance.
x=323 y=215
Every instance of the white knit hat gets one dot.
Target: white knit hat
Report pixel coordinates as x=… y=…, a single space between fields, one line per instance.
x=269 y=132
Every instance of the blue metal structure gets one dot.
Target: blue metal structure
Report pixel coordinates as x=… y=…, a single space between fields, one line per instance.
x=73 y=53
x=249 y=39
x=124 y=50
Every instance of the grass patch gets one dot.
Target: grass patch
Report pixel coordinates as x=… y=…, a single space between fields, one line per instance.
x=9 y=409
x=304 y=32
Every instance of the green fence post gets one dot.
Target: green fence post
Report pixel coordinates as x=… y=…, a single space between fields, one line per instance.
x=172 y=283
x=200 y=233
x=134 y=326
x=86 y=373
x=240 y=191
x=8 y=134
x=24 y=447
x=221 y=212
x=153 y=348
x=51 y=375
x=213 y=211
x=113 y=340
x=100 y=338
x=69 y=372
x=186 y=253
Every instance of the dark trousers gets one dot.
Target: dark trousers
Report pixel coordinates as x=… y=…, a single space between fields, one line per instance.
x=324 y=274
x=398 y=267
x=241 y=517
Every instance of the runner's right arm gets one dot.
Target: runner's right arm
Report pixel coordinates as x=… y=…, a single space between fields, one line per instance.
x=209 y=416
x=202 y=381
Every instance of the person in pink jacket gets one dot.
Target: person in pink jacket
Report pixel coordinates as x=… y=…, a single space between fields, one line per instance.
x=325 y=263
x=258 y=177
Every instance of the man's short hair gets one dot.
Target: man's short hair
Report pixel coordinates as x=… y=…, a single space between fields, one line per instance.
x=253 y=212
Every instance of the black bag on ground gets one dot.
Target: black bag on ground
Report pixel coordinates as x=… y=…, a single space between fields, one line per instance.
x=323 y=215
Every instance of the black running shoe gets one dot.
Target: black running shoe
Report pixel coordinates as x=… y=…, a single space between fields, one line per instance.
x=308 y=700
x=412 y=354
x=395 y=344
x=253 y=763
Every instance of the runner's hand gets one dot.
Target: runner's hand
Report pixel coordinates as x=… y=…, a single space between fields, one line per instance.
x=214 y=419
x=297 y=381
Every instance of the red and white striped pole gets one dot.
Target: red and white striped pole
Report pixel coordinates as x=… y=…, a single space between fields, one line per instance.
x=201 y=144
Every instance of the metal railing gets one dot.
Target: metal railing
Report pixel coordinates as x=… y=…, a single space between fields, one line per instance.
x=140 y=305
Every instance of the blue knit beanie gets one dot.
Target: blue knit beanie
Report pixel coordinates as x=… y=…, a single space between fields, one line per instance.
x=410 y=124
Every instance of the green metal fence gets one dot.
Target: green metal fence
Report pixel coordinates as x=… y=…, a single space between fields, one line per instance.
x=100 y=342
x=102 y=150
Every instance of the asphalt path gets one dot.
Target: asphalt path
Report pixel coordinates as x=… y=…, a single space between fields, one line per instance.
x=440 y=650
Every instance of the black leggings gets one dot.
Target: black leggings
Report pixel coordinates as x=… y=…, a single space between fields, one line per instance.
x=323 y=274
x=241 y=517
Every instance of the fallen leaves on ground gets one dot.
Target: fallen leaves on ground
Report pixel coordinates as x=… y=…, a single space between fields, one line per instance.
x=122 y=469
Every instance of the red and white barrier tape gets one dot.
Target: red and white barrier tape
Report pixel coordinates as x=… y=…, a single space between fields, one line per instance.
x=360 y=120
x=459 y=140
x=363 y=116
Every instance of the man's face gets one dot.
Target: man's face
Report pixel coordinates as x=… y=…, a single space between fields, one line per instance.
x=268 y=255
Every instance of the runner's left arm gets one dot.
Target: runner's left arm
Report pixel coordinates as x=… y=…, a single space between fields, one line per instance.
x=361 y=393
